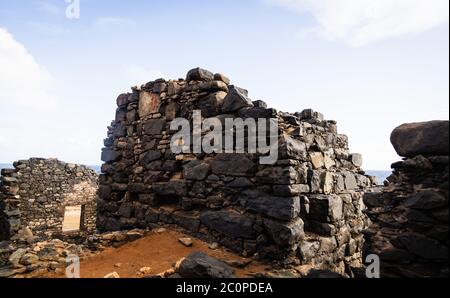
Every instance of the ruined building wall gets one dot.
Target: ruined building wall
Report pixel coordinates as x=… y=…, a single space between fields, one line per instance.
x=410 y=214
x=305 y=209
x=35 y=193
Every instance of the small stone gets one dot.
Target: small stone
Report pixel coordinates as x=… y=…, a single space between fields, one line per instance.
x=145 y=270
x=186 y=242
x=118 y=265
x=199 y=74
x=112 y=275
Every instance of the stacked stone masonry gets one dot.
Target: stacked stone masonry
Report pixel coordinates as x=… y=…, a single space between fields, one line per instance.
x=410 y=214
x=306 y=209
x=34 y=196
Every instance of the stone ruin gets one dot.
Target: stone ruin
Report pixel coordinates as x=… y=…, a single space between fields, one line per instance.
x=410 y=214
x=37 y=193
x=306 y=209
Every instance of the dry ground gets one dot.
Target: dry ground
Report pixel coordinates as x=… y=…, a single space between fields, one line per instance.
x=159 y=251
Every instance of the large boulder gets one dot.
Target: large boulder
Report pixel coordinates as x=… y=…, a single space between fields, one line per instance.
x=236 y=99
x=199 y=74
x=424 y=138
x=200 y=265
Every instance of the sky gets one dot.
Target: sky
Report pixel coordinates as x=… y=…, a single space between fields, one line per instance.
x=371 y=65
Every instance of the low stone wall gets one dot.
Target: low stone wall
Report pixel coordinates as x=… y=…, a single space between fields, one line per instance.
x=304 y=209
x=34 y=194
x=410 y=214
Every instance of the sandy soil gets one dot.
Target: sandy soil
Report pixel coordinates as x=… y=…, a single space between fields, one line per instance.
x=159 y=251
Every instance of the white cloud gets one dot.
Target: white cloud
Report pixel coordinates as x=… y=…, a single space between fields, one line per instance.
x=23 y=81
x=141 y=75
x=361 y=22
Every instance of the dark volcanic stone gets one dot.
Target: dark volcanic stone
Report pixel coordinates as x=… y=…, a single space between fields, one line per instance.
x=237 y=98
x=200 y=265
x=232 y=164
x=426 y=138
x=231 y=224
x=199 y=74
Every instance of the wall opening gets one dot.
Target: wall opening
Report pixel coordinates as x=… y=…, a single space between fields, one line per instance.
x=72 y=218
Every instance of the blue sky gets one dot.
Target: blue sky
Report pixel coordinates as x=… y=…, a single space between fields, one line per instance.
x=370 y=65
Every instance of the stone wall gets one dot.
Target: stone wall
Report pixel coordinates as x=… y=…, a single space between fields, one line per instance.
x=305 y=209
x=410 y=214
x=34 y=194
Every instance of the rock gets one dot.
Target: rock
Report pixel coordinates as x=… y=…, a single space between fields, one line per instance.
x=356 y=159
x=145 y=270
x=426 y=199
x=29 y=259
x=285 y=234
x=222 y=77
x=8 y=272
x=196 y=170
x=149 y=103
x=118 y=265
x=15 y=257
x=112 y=275
x=200 y=265
x=424 y=138
x=199 y=74
x=290 y=148
x=236 y=99
x=241 y=263
x=325 y=208
x=186 y=241
x=154 y=126
x=109 y=155
x=213 y=245
x=290 y=190
x=283 y=208
x=423 y=246
x=260 y=104
x=278 y=175
x=122 y=100
x=229 y=223
x=317 y=159
x=211 y=105
x=174 y=188
x=232 y=164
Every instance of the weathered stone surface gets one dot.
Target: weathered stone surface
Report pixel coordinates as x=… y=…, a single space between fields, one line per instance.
x=211 y=105
x=229 y=223
x=237 y=98
x=282 y=208
x=154 y=126
x=426 y=199
x=109 y=155
x=317 y=160
x=232 y=164
x=424 y=247
x=196 y=170
x=200 y=265
x=285 y=234
x=222 y=77
x=199 y=74
x=278 y=175
x=426 y=138
x=149 y=103
x=325 y=208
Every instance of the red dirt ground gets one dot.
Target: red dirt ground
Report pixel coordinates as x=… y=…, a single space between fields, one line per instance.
x=159 y=251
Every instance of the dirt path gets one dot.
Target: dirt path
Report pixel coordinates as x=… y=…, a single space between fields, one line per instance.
x=159 y=251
